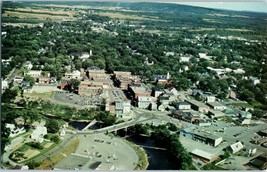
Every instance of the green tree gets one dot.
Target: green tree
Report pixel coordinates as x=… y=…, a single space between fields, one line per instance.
x=52 y=126
x=30 y=79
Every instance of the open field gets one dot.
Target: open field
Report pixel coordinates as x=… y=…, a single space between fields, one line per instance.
x=49 y=163
x=116 y=15
x=25 y=13
x=211 y=20
x=202 y=29
x=239 y=30
x=31 y=153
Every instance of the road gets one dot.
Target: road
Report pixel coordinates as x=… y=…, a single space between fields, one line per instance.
x=55 y=150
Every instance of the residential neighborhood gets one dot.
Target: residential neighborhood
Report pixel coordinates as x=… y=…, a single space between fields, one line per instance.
x=121 y=86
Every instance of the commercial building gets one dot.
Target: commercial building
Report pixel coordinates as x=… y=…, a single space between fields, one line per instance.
x=143 y=102
x=198 y=106
x=203 y=155
x=216 y=106
x=216 y=114
x=200 y=136
x=73 y=75
x=236 y=147
x=122 y=109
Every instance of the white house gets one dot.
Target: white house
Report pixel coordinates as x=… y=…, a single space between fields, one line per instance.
x=236 y=147
x=38 y=134
x=28 y=65
x=14 y=131
x=183 y=106
x=35 y=73
x=4 y=85
x=210 y=99
x=73 y=75
x=18 y=79
x=184 y=59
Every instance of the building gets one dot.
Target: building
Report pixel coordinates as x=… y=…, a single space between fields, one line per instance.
x=216 y=106
x=121 y=74
x=122 y=108
x=15 y=130
x=260 y=161
x=43 y=80
x=34 y=73
x=143 y=102
x=203 y=155
x=162 y=78
x=198 y=106
x=97 y=74
x=236 y=147
x=216 y=114
x=90 y=88
x=157 y=92
x=18 y=79
x=183 y=106
x=201 y=136
x=28 y=65
x=73 y=75
x=210 y=99
x=38 y=134
x=4 y=85
x=137 y=90
x=184 y=59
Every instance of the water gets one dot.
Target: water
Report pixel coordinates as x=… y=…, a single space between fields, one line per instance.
x=78 y=125
x=158 y=159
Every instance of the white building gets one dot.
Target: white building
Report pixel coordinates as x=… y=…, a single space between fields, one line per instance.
x=210 y=99
x=18 y=79
x=236 y=147
x=28 y=65
x=144 y=102
x=35 y=73
x=4 y=85
x=14 y=131
x=73 y=75
x=122 y=108
x=184 y=59
x=183 y=106
x=239 y=71
x=38 y=134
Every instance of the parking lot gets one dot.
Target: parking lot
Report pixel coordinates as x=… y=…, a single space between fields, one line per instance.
x=74 y=99
x=100 y=148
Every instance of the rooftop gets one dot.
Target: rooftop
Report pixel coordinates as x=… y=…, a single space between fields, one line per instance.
x=202 y=153
x=197 y=103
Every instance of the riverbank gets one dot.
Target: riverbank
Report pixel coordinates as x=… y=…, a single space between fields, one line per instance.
x=141 y=153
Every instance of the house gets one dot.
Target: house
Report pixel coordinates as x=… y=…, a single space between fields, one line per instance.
x=34 y=73
x=64 y=83
x=28 y=65
x=239 y=71
x=184 y=59
x=15 y=130
x=43 y=80
x=198 y=106
x=210 y=99
x=143 y=102
x=122 y=108
x=236 y=147
x=216 y=106
x=18 y=79
x=216 y=114
x=203 y=155
x=162 y=78
x=183 y=106
x=4 y=85
x=245 y=114
x=38 y=134
x=156 y=92
x=169 y=54
x=73 y=75
x=166 y=98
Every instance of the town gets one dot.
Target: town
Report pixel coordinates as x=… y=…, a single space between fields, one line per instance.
x=67 y=107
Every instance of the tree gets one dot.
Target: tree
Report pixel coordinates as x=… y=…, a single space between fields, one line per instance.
x=74 y=83
x=55 y=139
x=9 y=95
x=52 y=126
x=33 y=164
x=30 y=79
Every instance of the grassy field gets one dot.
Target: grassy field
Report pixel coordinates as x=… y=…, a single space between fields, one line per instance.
x=211 y=20
x=27 y=13
x=49 y=163
x=116 y=15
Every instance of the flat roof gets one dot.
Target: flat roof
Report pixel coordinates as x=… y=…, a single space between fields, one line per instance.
x=202 y=153
x=197 y=103
x=207 y=135
x=215 y=104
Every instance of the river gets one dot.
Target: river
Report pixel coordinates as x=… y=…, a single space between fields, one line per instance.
x=158 y=159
